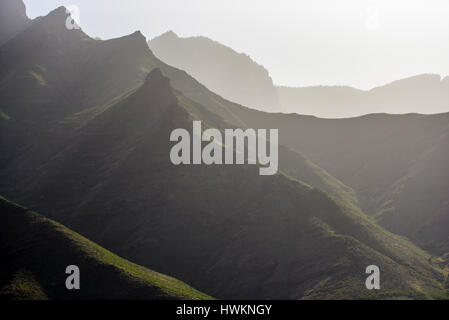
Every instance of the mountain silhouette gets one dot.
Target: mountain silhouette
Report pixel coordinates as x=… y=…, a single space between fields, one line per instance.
x=212 y=226
x=426 y=93
x=232 y=75
x=85 y=130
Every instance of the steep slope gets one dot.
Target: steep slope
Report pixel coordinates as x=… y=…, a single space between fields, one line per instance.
x=54 y=81
x=106 y=173
x=402 y=96
x=13 y=19
x=67 y=68
x=224 y=229
x=395 y=163
x=234 y=76
x=35 y=252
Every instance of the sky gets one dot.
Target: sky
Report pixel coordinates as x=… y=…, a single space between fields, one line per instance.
x=360 y=43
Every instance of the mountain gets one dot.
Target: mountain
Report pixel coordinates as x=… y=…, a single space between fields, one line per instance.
x=35 y=252
x=411 y=95
x=224 y=229
x=13 y=19
x=235 y=76
x=53 y=80
x=99 y=163
x=396 y=164
x=56 y=80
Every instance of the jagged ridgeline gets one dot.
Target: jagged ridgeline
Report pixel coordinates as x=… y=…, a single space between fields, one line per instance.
x=85 y=140
x=234 y=76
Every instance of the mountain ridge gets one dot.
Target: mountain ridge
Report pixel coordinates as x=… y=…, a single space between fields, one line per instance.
x=224 y=229
x=166 y=199
x=408 y=95
x=27 y=237
x=235 y=76
x=386 y=159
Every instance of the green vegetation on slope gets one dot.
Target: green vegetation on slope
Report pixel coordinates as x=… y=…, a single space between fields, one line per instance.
x=23 y=286
x=397 y=165
x=34 y=252
x=224 y=229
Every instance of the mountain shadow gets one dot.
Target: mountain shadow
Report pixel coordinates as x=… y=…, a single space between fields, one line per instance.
x=224 y=229
x=98 y=161
x=396 y=164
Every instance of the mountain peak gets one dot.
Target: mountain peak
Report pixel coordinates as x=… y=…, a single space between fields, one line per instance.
x=60 y=12
x=138 y=34
x=133 y=41
x=56 y=21
x=155 y=76
x=232 y=75
x=170 y=35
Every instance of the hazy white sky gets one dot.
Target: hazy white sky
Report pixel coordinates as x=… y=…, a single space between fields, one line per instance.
x=362 y=43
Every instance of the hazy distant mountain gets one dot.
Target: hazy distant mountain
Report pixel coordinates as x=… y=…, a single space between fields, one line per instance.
x=397 y=165
x=93 y=153
x=35 y=252
x=13 y=19
x=420 y=94
x=234 y=76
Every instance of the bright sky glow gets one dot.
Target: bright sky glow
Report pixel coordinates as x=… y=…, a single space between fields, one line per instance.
x=361 y=43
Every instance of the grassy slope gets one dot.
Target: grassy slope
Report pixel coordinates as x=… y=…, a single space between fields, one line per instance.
x=358 y=227
x=396 y=164
x=40 y=120
x=291 y=162
x=35 y=251
x=340 y=246
x=238 y=235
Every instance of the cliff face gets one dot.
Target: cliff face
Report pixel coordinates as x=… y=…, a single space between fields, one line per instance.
x=234 y=76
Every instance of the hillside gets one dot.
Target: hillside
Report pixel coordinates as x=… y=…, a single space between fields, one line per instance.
x=55 y=81
x=395 y=163
x=95 y=157
x=224 y=229
x=232 y=75
x=411 y=95
x=35 y=252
